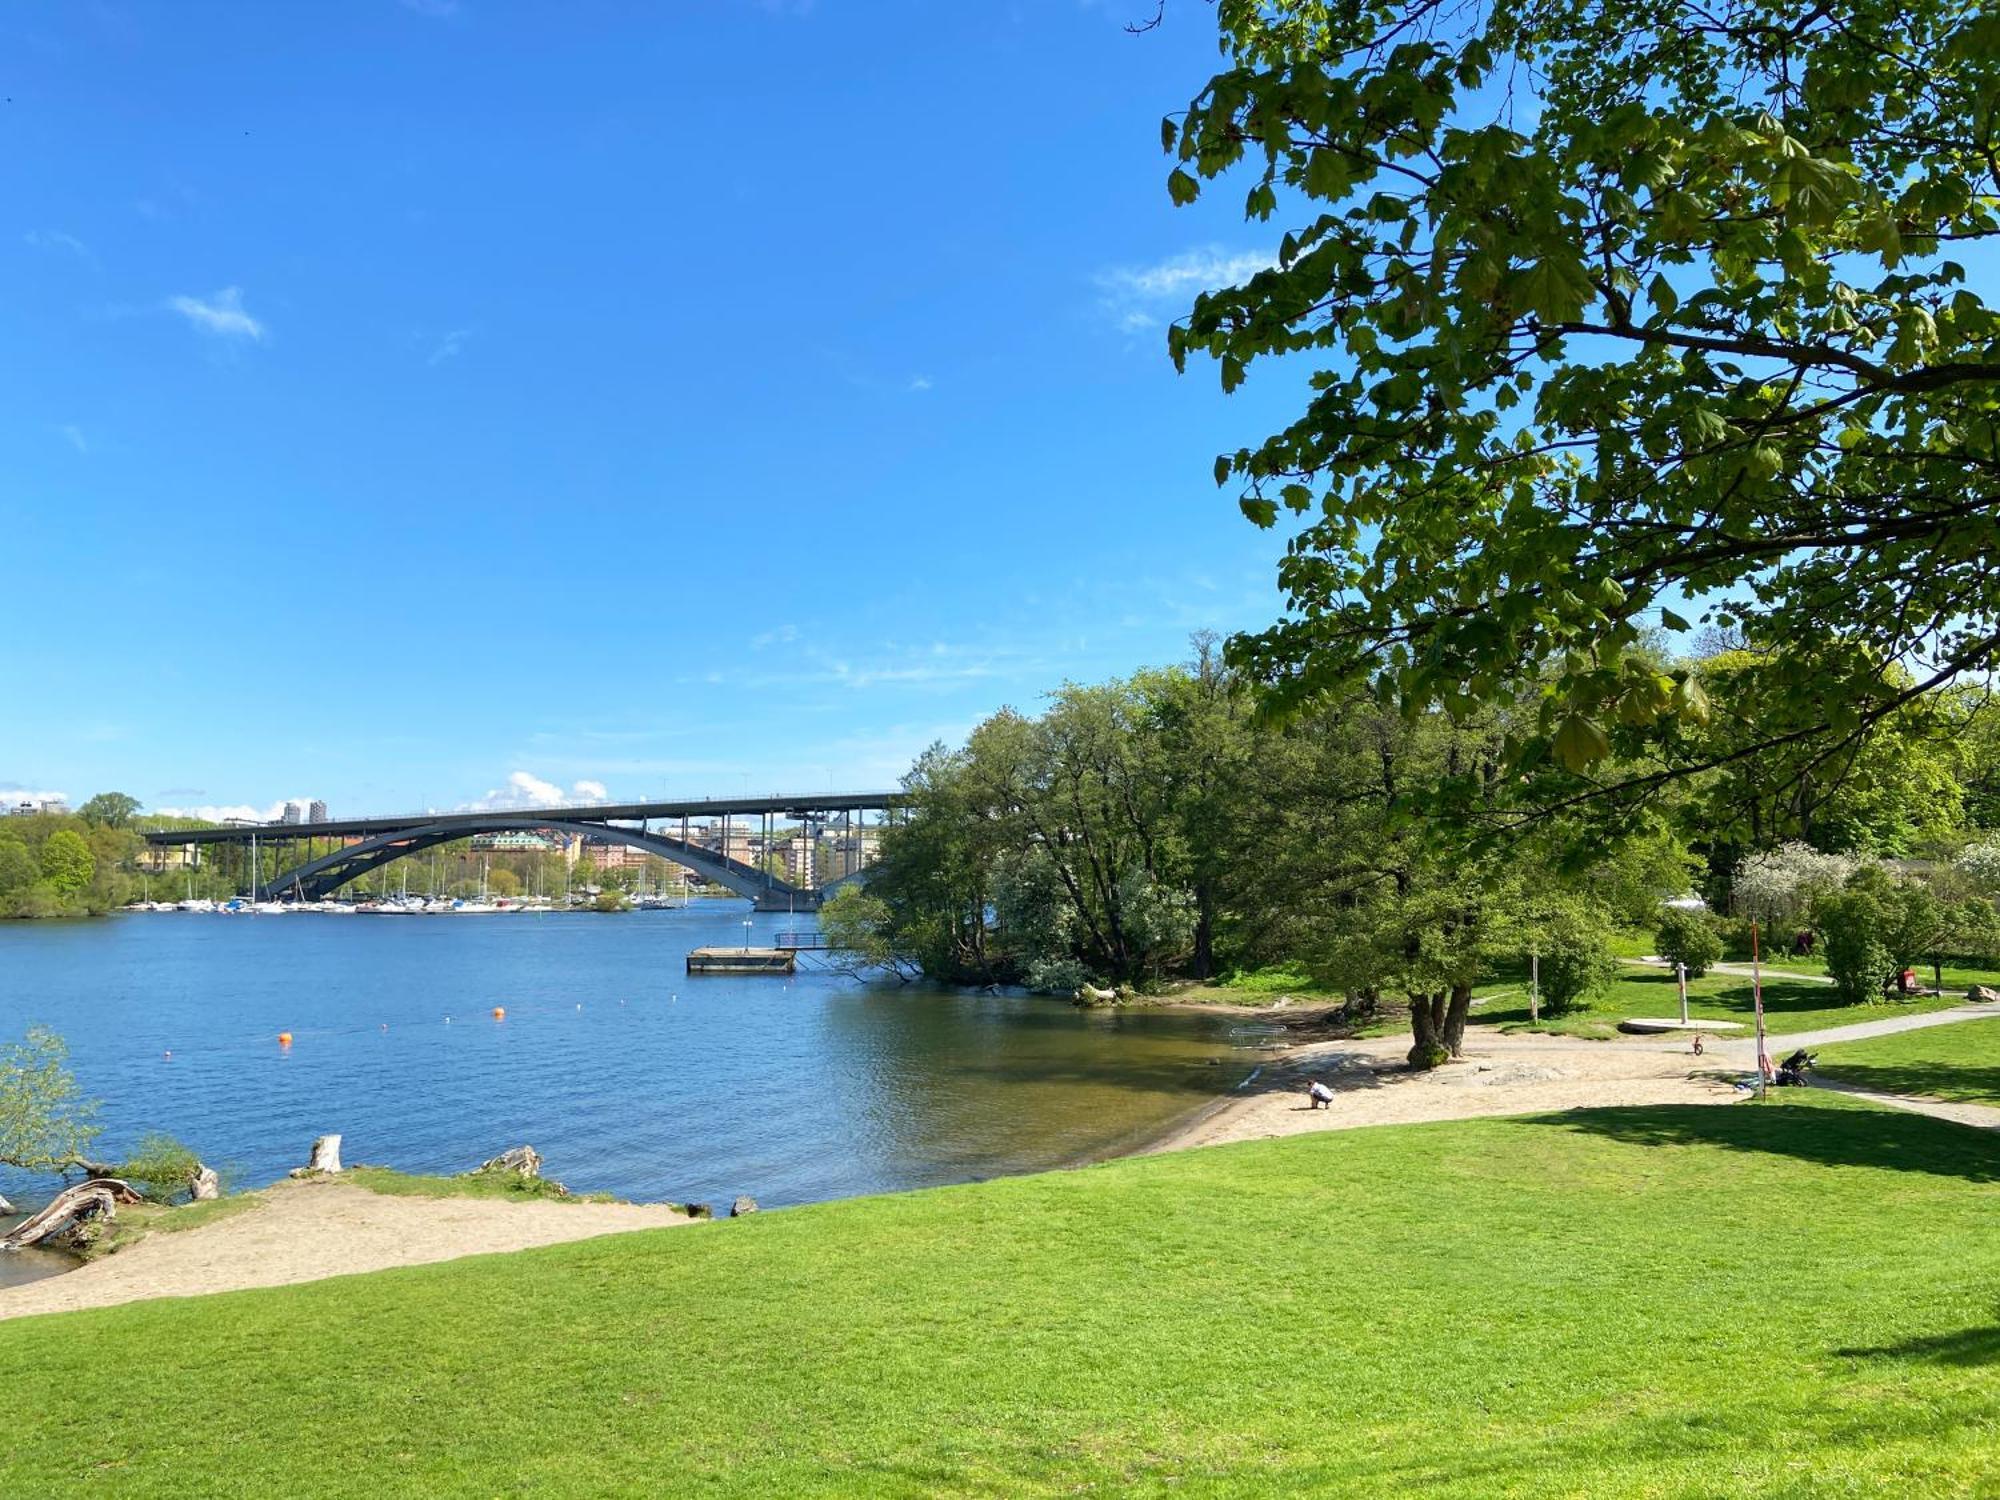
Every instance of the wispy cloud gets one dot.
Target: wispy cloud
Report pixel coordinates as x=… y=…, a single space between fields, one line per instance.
x=55 y=239
x=75 y=435
x=1136 y=298
x=242 y=812
x=449 y=346
x=222 y=315
x=920 y=382
x=782 y=635
x=525 y=790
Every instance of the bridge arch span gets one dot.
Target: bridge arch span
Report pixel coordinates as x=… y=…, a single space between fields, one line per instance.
x=319 y=877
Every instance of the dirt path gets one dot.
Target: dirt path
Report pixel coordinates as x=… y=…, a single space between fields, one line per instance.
x=1979 y=1116
x=303 y=1231
x=1524 y=1073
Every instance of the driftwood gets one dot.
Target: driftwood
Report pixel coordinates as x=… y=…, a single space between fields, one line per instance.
x=1089 y=994
x=71 y=1209
x=522 y=1161
x=325 y=1158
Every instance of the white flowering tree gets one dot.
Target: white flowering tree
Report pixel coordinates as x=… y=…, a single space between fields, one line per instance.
x=1778 y=886
x=1980 y=865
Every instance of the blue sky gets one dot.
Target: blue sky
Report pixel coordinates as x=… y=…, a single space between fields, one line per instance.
x=410 y=402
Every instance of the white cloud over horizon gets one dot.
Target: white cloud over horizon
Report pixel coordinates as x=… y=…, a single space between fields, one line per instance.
x=222 y=315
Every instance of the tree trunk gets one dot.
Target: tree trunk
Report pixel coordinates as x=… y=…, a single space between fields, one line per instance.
x=205 y=1186
x=71 y=1209
x=325 y=1157
x=1437 y=1026
x=1427 y=1017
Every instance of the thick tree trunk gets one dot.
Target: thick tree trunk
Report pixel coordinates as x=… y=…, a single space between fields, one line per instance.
x=1437 y=1026
x=325 y=1157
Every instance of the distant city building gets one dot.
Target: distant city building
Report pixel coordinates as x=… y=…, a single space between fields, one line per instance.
x=802 y=862
x=516 y=841
x=158 y=859
x=295 y=812
x=606 y=855
x=27 y=807
x=316 y=813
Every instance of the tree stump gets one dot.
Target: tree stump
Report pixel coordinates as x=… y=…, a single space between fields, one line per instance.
x=204 y=1186
x=325 y=1157
x=522 y=1161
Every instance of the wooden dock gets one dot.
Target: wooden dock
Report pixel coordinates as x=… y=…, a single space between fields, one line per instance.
x=742 y=961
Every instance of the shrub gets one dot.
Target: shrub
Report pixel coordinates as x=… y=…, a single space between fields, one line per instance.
x=162 y=1164
x=1688 y=937
x=1576 y=958
x=1873 y=927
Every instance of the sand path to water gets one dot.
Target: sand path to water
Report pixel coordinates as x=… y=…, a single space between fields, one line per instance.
x=303 y=1231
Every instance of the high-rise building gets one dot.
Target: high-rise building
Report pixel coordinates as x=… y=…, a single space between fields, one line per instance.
x=294 y=813
x=316 y=813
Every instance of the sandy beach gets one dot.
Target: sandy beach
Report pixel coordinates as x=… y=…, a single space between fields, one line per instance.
x=311 y=1229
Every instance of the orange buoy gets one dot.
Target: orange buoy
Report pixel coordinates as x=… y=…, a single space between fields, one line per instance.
x=499 y=1012
x=284 y=1039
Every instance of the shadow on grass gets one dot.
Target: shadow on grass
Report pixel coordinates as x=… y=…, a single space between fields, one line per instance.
x=1969 y=1346
x=1939 y=1080
x=1833 y=1137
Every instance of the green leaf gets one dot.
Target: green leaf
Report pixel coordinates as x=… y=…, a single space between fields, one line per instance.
x=1673 y=621
x=1182 y=188
x=1555 y=288
x=1258 y=509
x=1580 y=744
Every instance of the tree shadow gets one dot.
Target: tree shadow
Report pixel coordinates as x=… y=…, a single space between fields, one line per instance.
x=1804 y=1130
x=1969 y=1346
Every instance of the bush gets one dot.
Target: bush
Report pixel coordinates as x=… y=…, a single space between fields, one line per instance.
x=1688 y=937
x=1576 y=958
x=1874 y=926
x=610 y=900
x=162 y=1164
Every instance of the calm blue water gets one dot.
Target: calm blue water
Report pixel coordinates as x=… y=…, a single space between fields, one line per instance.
x=629 y=1076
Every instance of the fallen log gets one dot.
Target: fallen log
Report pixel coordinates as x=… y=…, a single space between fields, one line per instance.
x=71 y=1209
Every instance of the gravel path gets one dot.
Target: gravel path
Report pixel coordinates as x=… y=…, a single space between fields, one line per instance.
x=1741 y=971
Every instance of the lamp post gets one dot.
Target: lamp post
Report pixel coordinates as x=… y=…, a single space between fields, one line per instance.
x=746 y=934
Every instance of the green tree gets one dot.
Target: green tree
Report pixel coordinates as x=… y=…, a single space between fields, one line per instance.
x=1875 y=927
x=109 y=810
x=1688 y=937
x=45 y=1122
x=67 y=862
x=1576 y=960
x=18 y=869
x=1615 y=307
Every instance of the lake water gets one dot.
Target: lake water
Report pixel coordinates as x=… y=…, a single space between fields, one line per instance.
x=628 y=1076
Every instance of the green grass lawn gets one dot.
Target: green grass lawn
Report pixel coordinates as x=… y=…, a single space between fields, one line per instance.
x=1800 y=1298
x=1790 y=1004
x=1960 y=1062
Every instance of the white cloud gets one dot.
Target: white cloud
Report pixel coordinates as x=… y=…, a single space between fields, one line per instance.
x=55 y=239
x=12 y=794
x=782 y=635
x=449 y=346
x=223 y=314
x=75 y=435
x=1137 y=298
x=920 y=382
x=526 y=790
x=238 y=811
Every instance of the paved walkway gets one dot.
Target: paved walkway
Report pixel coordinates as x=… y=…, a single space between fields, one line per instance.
x=1745 y=1047
x=1741 y=971
x=1979 y=1116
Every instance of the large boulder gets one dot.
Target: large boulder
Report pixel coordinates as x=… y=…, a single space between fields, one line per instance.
x=743 y=1205
x=204 y=1186
x=522 y=1161
x=1985 y=994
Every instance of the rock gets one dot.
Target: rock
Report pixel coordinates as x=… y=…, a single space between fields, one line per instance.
x=6 y=1207
x=522 y=1161
x=743 y=1205
x=205 y=1186
x=1985 y=994
x=698 y=1210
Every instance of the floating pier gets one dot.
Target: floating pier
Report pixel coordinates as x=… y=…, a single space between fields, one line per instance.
x=742 y=961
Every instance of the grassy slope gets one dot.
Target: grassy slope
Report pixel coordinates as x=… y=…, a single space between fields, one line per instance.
x=1795 y=1298
x=1960 y=1061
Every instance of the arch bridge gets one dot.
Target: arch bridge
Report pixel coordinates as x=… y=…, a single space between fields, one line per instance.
x=715 y=853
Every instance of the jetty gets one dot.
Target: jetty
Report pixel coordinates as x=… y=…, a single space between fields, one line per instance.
x=742 y=960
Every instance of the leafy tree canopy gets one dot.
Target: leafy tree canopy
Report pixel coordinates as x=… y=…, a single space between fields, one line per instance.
x=109 y=810
x=1614 y=307
x=67 y=861
x=45 y=1122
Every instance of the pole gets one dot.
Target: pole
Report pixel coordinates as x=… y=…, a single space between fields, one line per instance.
x=1535 y=985
x=1681 y=978
x=1757 y=999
